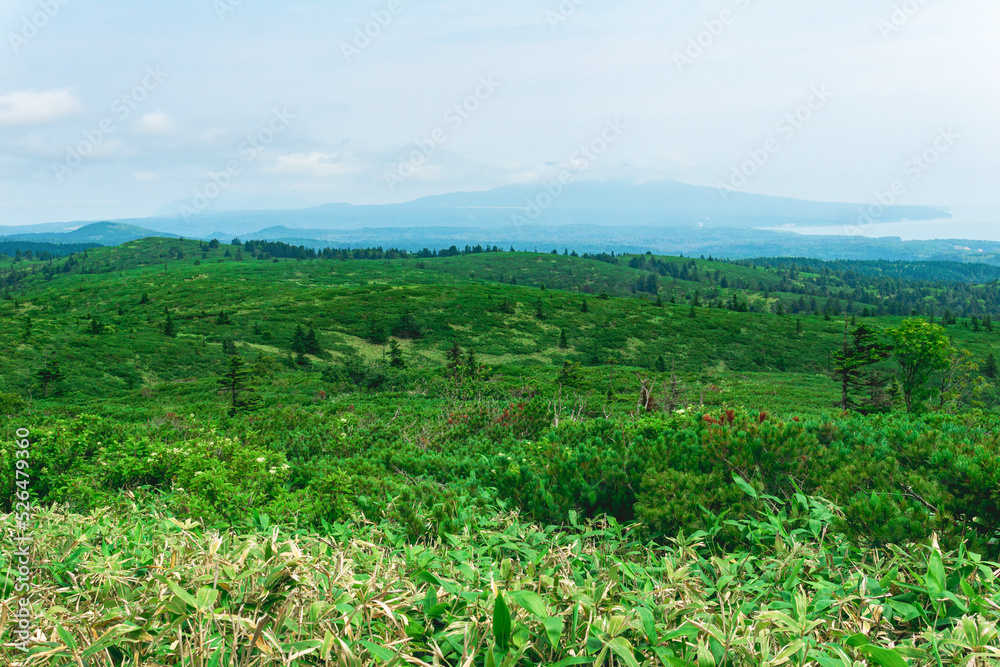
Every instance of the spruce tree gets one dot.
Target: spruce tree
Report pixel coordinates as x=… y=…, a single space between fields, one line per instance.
x=454 y=359
x=583 y=307
x=298 y=341
x=471 y=365
x=169 y=328
x=990 y=369
x=235 y=381
x=49 y=375
x=563 y=342
x=395 y=354
x=852 y=367
x=311 y=343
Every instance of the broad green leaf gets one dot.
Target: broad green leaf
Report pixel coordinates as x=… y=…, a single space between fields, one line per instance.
x=380 y=653
x=66 y=637
x=553 y=630
x=530 y=602
x=301 y=646
x=937 y=581
x=826 y=661
x=747 y=489
x=501 y=623
x=883 y=656
x=566 y=662
x=648 y=624
x=623 y=650
x=206 y=598
x=686 y=630
x=182 y=594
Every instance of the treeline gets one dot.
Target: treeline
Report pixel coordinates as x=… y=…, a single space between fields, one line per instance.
x=279 y=249
x=25 y=250
x=935 y=272
x=797 y=285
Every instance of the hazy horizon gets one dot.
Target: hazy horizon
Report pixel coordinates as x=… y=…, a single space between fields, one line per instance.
x=110 y=112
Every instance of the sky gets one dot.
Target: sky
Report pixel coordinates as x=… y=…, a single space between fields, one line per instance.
x=113 y=110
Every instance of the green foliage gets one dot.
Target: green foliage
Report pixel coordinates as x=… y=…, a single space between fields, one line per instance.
x=495 y=447
x=11 y=404
x=921 y=349
x=236 y=382
x=863 y=388
x=395 y=354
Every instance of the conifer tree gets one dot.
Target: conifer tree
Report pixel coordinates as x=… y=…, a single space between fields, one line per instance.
x=169 y=328
x=990 y=369
x=852 y=367
x=563 y=342
x=311 y=343
x=395 y=354
x=471 y=365
x=583 y=307
x=454 y=359
x=49 y=375
x=299 y=341
x=235 y=381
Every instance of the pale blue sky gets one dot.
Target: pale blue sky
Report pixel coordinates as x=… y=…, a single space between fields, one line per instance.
x=557 y=78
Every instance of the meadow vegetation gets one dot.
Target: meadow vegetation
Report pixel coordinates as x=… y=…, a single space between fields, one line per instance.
x=260 y=454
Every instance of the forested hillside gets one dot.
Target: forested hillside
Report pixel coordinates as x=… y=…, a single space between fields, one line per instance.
x=265 y=454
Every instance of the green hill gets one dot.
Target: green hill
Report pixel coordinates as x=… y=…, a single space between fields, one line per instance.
x=403 y=449
x=512 y=309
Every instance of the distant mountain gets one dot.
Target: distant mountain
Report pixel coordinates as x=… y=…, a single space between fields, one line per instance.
x=101 y=233
x=610 y=204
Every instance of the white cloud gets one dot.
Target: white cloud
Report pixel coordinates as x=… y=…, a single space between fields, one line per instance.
x=146 y=176
x=314 y=164
x=30 y=107
x=155 y=123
